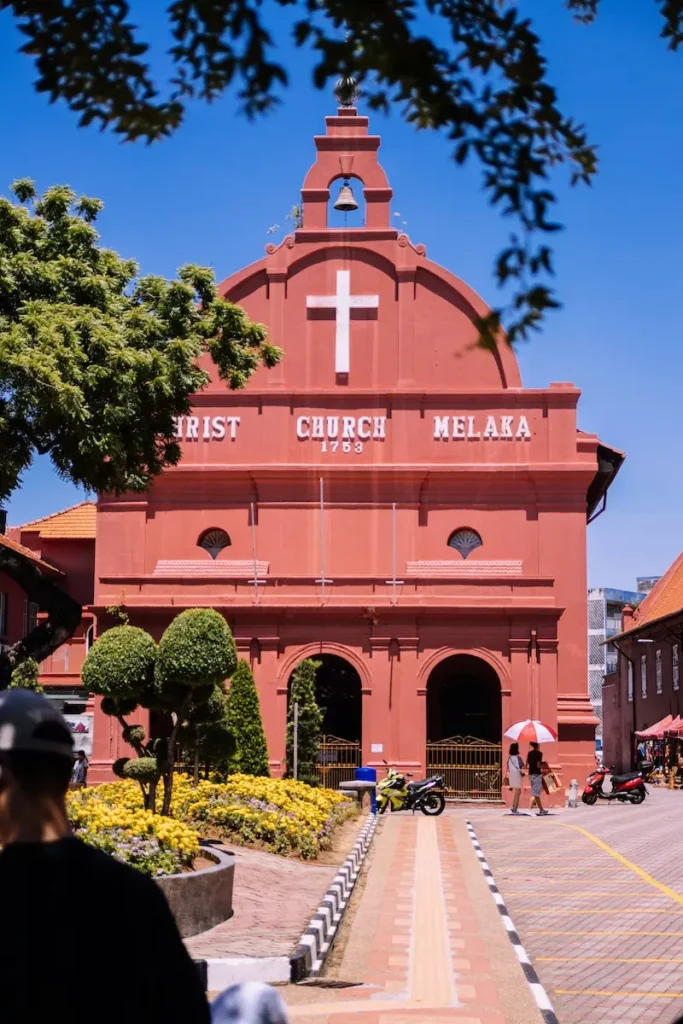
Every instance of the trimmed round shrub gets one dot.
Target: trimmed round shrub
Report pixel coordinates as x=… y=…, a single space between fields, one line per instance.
x=118 y=767
x=112 y=706
x=209 y=710
x=195 y=650
x=142 y=769
x=134 y=734
x=121 y=663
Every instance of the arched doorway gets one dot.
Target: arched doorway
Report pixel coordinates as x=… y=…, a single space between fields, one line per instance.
x=338 y=695
x=464 y=727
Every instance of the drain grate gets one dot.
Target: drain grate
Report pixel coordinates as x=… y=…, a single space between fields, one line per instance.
x=329 y=983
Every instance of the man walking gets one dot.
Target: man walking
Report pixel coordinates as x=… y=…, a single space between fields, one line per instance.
x=132 y=965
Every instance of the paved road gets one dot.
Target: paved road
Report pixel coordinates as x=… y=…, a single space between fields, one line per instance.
x=596 y=895
x=424 y=942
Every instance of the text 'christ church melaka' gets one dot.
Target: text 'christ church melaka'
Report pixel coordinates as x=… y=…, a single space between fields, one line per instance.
x=388 y=499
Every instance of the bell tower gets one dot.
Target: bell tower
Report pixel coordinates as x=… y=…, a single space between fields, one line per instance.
x=347 y=151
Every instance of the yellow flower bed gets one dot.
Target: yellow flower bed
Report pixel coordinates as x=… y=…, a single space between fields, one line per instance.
x=278 y=814
x=111 y=818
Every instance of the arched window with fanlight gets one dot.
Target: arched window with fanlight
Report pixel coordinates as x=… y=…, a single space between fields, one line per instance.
x=465 y=540
x=214 y=541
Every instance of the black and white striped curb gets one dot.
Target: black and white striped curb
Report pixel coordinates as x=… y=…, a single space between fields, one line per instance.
x=539 y=993
x=315 y=942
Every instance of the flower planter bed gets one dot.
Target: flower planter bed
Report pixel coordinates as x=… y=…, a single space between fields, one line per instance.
x=201 y=899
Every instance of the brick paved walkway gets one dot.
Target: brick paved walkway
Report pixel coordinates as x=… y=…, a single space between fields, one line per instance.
x=274 y=899
x=605 y=938
x=426 y=942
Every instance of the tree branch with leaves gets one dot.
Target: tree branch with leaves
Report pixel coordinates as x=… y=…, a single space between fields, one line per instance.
x=95 y=361
x=477 y=74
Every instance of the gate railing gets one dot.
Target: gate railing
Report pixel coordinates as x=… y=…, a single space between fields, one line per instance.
x=471 y=767
x=337 y=761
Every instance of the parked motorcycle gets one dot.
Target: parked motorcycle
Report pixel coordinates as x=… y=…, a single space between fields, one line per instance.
x=395 y=793
x=628 y=787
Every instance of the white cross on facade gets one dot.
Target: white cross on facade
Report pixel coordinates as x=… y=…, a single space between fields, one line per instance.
x=343 y=302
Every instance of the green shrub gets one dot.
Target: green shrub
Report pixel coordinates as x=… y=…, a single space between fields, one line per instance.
x=25 y=677
x=195 y=650
x=243 y=719
x=120 y=664
x=134 y=734
x=302 y=691
x=142 y=769
x=118 y=708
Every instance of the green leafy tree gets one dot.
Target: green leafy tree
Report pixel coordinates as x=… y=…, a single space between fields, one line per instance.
x=302 y=691
x=95 y=364
x=96 y=361
x=182 y=677
x=196 y=653
x=25 y=676
x=244 y=722
x=119 y=668
x=473 y=70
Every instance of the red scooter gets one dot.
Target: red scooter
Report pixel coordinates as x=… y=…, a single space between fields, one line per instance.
x=629 y=787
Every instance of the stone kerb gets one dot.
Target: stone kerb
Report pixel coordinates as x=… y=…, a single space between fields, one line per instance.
x=199 y=900
x=317 y=940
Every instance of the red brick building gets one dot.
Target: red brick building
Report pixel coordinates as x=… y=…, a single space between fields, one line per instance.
x=646 y=686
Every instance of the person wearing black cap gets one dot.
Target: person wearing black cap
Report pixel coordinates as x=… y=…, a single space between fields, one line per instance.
x=79 y=931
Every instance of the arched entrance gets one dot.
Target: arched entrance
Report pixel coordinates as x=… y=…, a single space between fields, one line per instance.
x=464 y=727
x=338 y=695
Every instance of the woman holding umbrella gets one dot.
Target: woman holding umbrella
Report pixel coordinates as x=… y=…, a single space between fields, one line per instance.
x=533 y=763
x=534 y=733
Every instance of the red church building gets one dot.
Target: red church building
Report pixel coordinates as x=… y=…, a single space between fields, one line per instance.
x=389 y=500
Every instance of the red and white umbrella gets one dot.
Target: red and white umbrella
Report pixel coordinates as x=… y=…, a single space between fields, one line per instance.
x=531 y=731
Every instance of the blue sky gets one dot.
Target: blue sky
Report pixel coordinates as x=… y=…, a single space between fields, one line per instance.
x=209 y=194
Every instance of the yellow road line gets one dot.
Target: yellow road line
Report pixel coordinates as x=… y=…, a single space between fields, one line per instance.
x=667 y=890
x=536 y=931
x=610 y=959
x=579 y=912
x=587 y=893
x=621 y=995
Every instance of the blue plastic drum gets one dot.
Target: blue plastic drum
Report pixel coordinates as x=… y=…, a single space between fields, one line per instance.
x=369 y=775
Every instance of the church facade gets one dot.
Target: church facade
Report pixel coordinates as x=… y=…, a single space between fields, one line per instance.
x=388 y=500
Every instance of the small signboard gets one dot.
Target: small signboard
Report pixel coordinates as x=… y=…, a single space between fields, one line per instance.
x=377 y=748
x=82 y=730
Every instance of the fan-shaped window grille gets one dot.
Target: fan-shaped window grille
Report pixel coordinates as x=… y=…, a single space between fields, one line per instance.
x=214 y=541
x=465 y=541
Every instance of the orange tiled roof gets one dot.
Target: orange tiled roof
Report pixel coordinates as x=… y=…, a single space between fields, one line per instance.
x=665 y=598
x=7 y=542
x=77 y=522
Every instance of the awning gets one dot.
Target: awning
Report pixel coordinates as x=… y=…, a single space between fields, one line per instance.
x=656 y=731
x=609 y=463
x=676 y=726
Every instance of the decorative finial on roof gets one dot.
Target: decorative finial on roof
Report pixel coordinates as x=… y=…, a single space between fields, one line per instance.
x=346 y=91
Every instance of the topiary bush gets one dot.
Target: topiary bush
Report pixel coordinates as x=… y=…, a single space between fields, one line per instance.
x=195 y=650
x=183 y=678
x=142 y=769
x=243 y=720
x=120 y=664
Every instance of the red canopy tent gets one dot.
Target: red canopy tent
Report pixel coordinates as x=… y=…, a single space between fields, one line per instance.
x=656 y=731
